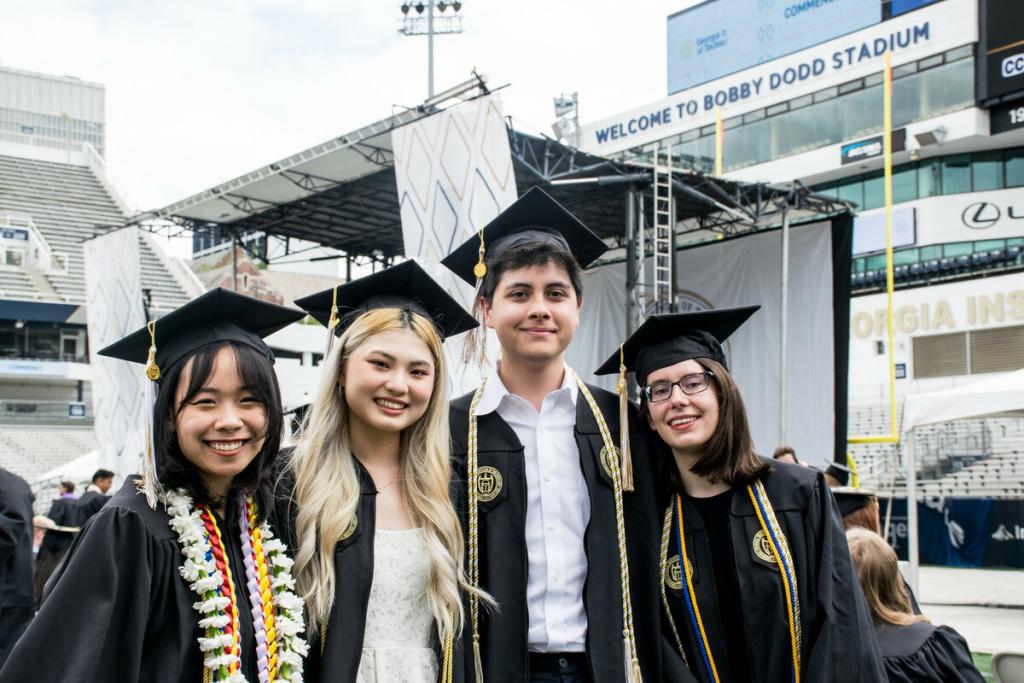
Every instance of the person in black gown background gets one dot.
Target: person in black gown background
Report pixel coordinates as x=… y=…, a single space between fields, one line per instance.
x=913 y=649
x=119 y=608
x=16 y=604
x=758 y=584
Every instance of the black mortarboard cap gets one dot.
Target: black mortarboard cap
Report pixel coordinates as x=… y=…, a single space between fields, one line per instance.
x=216 y=316
x=840 y=472
x=534 y=217
x=851 y=499
x=406 y=285
x=668 y=338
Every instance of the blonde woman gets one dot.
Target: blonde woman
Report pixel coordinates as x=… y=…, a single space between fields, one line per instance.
x=912 y=648
x=377 y=544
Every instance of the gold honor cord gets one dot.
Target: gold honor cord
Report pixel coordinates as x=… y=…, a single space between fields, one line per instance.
x=332 y=321
x=474 y=530
x=780 y=552
x=614 y=461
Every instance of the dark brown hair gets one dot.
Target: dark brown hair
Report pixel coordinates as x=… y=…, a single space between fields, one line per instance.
x=784 y=450
x=728 y=455
x=538 y=254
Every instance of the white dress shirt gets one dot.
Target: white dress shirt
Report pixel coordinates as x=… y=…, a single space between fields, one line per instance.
x=557 y=511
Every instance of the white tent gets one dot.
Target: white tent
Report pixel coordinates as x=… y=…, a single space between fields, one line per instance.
x=996 y=394
x=78 y=470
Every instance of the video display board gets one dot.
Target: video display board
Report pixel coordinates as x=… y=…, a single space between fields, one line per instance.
x=720 y=37
x=1001 y=49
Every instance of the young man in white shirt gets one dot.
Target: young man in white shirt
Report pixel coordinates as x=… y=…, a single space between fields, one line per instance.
x=546 y=514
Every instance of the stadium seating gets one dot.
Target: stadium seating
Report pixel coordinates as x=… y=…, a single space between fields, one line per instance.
x=982 y=457
x=69 y=204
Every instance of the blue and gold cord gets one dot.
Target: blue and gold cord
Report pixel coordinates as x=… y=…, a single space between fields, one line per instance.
x=690 y=598
x=780 y=550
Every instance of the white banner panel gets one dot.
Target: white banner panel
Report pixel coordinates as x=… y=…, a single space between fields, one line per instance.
x=120 y=391
x=742 y=272
x=454 y=175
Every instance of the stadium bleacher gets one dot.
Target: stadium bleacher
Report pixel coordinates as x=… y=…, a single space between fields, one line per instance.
x=971 y=458
x=68 y=204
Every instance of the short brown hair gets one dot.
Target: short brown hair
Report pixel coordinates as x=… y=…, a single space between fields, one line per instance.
x=783 y=450
x=729 y=454
x=527 y=256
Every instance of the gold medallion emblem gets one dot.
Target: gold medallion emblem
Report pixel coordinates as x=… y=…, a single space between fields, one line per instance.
x=763 y=547
x=153 y=372
x=479 y=270
x=488 y=484
x=350 y=529
x=610 y=460
x=674 y=577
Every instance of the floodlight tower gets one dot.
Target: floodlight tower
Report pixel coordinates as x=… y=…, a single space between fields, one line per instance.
x=430 y=26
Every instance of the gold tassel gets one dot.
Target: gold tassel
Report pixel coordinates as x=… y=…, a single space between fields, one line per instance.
x=625 y=456
x=332 y=322
x=474 y=349
x=478 y=667
x=152 y=369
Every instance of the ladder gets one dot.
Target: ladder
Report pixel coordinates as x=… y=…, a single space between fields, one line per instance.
x=664 y=230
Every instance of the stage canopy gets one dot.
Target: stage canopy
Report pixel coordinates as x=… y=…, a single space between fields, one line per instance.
x=342 y=193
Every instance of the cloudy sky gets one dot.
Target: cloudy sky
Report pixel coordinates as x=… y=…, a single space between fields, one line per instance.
x=200 y=91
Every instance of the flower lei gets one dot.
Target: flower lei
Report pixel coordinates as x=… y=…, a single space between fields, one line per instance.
x=276 y=610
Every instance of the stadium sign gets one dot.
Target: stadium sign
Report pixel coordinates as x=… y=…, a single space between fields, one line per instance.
x=907 y=38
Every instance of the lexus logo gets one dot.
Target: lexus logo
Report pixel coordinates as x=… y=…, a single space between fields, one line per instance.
x=981 y=215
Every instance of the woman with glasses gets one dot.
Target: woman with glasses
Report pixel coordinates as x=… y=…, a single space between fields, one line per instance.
x=757 y=583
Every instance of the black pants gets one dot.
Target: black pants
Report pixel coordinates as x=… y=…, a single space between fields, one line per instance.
x=13 y=622
x=559 y=667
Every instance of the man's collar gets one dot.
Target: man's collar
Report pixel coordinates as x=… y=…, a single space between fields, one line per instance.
x=495 y=390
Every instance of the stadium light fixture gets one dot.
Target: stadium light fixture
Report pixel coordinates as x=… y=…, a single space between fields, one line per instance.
x=430 y=24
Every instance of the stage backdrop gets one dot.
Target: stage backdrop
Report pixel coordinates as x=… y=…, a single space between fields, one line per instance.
x=454 y=175
x=120 y=391
x=746 y=271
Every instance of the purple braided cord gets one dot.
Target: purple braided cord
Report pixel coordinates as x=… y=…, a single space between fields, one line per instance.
x=255 y=596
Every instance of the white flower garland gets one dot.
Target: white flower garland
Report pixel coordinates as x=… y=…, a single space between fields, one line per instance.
x=200 y=570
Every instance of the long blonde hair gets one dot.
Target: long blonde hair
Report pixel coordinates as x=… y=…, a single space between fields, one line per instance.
x=327 y=488
x=880 y=579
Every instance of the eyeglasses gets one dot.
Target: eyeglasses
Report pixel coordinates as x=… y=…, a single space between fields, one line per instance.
x=659 y=391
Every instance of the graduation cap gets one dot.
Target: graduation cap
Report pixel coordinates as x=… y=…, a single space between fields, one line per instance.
x=533 y=218
x=667 y=338
x=216 y=316
x=851 y=499
x=839 y=472
x=406 y=285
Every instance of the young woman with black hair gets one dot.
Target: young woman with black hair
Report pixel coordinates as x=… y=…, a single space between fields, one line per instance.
x=756 y=578
x=179 y=577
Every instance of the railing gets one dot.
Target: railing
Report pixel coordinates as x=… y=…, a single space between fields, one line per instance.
x=38 y=412
x=938 y=262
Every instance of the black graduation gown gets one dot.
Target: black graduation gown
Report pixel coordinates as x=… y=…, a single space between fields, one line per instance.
x=922 y=653
x=837 y=631
x=88 y=505
x=55 y=543
x=16 y=599
x=503 y=554
x=353 y=571
x=117 y=608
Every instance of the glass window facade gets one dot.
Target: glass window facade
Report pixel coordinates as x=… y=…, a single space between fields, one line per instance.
x=937 y=85
x=974 y=172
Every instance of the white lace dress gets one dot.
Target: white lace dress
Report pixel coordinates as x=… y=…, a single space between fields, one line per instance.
x=399 y=624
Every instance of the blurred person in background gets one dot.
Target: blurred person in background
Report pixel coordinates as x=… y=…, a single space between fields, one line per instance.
x=786 y=454
x=913 y=649
x=56 y=540
x=16 y=603
x=95 y=496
